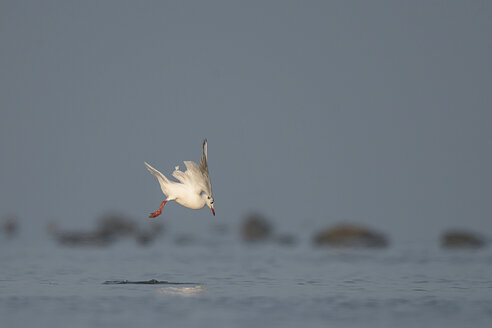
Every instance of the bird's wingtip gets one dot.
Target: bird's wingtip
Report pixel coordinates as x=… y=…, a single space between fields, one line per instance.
x=204 y=146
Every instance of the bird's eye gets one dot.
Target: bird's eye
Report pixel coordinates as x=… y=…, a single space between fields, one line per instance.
x=208 y=197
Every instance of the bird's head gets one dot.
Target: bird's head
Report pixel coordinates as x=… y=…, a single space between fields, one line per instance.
x=209 y=200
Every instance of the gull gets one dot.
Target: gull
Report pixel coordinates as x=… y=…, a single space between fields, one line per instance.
x=193 y=190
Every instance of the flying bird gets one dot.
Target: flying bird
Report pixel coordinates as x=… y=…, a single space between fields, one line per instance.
x=193 y=190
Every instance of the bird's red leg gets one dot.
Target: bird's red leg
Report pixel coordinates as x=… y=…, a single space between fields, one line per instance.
x=159 y=211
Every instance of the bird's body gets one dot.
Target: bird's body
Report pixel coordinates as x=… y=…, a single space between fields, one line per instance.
x=193 y=188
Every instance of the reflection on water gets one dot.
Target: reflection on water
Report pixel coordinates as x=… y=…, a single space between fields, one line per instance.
x=188 y=291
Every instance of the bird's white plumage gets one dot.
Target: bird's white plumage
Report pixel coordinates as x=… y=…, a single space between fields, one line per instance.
x=193 y=188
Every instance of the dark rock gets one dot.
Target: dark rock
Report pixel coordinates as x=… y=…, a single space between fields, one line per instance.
x=126 y=282
x=256 y=228
x=83 y=238
x=74 y=238
x=10 y=225
x=461 y=239
x=346 y=235
x=145 y=237
x=117 y=225
x=145 y=282
x=109 y=229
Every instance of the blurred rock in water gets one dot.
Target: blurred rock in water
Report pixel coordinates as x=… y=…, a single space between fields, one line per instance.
x=10 y=225
x=145 y=237
x=347 y=235
x=256 y=228
x=461 y=239
x=116 y=224
x=79 y=238
x=82 y=238
x=109 y=229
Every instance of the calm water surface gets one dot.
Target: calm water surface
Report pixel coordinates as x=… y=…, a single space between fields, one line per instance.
x=229 y=284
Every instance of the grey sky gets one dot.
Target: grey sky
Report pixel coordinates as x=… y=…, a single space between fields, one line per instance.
x=315 y=111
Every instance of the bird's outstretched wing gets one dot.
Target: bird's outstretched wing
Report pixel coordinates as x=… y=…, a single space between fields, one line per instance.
x=204 y=169
x=196 y=175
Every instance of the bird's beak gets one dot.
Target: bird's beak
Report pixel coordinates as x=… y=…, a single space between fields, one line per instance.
x=213 y=211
